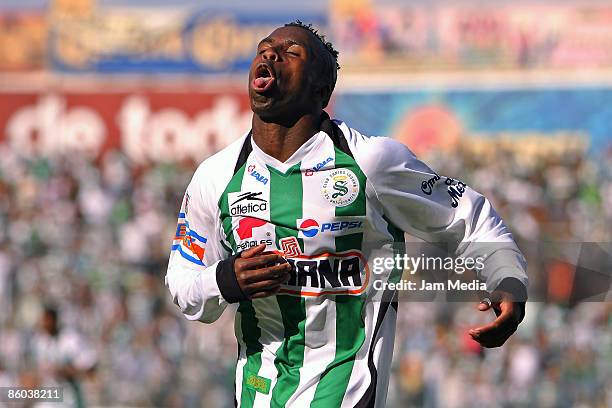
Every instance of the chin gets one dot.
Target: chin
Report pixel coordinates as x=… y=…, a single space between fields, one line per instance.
x=263 y=106
x=276 y=110
x=269 y=116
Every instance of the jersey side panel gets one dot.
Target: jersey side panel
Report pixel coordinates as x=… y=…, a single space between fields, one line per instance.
x=249 y=329
x=252 y=226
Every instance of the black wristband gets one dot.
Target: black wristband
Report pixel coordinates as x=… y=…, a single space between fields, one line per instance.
x=227 y=281
x=518 y=290
x=514 y=287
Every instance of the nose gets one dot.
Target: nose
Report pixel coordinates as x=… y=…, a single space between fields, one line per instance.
x=270 y=54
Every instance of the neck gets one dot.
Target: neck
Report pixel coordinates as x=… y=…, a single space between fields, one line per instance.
x=282 y=140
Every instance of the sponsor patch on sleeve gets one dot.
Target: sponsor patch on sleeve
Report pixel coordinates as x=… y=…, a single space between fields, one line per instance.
x=189 y=243
x=454 y=188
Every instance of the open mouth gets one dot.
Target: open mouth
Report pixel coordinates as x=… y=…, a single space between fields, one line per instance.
x=264 y=78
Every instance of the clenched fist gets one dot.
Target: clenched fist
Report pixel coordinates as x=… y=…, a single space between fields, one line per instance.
x=260 y=274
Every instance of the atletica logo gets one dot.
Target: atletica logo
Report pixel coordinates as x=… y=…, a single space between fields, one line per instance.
x=308 y=228
x=340 y=187
x=251 y=170
x=241 y=209
x=253 y=204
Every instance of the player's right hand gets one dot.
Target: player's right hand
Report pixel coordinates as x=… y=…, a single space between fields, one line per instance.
x=261 y=274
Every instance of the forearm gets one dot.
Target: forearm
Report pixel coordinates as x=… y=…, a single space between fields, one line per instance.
x=196 y=292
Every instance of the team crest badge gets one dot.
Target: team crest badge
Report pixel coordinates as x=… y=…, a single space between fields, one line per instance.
x=340 y=187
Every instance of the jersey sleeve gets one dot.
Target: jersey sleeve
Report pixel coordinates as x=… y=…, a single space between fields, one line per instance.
x=195 y=256
x=436 y=208
x=78 y=352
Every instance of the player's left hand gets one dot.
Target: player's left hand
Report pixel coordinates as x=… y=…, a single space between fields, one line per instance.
x=498 y=331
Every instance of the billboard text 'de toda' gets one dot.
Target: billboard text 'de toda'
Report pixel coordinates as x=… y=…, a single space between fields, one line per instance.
x=146 y=126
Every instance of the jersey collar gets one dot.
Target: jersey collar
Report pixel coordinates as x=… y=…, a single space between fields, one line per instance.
x=303 y=151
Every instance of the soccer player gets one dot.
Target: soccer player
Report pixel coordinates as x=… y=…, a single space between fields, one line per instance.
x=63 y=358
x=283 y=221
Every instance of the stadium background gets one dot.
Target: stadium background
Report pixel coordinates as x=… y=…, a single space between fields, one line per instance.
x=106 y=107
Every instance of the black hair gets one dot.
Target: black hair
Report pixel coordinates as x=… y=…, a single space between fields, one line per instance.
x=51 y=310
x=330 y=64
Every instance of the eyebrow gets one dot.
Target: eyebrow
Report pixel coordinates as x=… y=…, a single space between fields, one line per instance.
x=265 y=40
x=270 y=40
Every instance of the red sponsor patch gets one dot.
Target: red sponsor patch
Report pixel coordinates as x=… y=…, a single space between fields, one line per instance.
x=246 y=225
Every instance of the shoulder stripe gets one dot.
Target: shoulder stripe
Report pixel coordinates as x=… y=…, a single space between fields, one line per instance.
x=244 y=153
x=331 y=128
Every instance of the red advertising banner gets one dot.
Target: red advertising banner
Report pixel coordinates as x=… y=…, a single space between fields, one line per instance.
x=147 y=125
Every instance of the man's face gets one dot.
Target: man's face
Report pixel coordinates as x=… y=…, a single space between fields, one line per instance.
x=281 y=78
x=49 y=323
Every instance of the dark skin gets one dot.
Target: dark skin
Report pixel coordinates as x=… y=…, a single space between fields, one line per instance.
x=496 y=333
x=286 y=113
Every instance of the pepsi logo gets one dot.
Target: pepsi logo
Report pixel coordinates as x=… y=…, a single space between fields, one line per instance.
x=309 y=227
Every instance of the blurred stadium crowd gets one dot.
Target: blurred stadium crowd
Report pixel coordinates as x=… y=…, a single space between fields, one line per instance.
x=86 y=237
x=93 y=241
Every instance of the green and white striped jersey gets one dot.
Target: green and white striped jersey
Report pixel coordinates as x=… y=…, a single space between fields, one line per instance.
x=320 y=342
